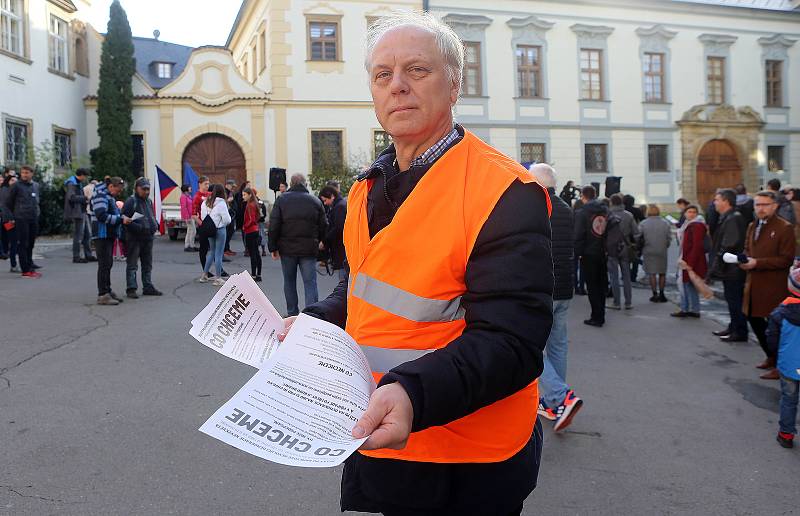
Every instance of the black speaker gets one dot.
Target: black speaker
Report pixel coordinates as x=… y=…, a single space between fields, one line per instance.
x=276 y=177
x=596 y=188
x=613 y=184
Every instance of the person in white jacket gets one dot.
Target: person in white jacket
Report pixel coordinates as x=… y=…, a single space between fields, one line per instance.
x=215 y=207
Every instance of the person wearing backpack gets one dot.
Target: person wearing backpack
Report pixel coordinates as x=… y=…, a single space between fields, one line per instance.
x=590 y=232
x=621 y=233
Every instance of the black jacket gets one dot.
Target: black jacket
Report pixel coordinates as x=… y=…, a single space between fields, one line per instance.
x=728 y=238
x=508 y=317
x=143 y=228
x=74 y=200
x=562 y=222
x=297 y=223
x=590 y=225
x=334 y=240
x=23 y=201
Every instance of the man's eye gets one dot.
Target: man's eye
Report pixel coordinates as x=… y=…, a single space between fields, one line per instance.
x=382 y=75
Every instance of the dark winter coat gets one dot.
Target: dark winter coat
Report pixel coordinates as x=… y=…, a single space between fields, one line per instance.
x=5 y=214
x=144 y=228
x=23 y=201
x=562 y=224
x=334 y=240
x=74 y=200
x=765 y=287
x=728 y=238
x=297 y=223
x=785 y=209
x=590 y=228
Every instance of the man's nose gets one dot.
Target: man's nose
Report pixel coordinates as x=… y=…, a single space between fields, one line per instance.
x=399 y=83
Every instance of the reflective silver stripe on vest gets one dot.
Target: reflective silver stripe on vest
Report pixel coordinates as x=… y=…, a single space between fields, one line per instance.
x=382 y=360
x=405 y=304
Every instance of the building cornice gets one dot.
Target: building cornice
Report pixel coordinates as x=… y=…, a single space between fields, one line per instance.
x=240 y=16
x=776 y=40
x=467 y=20
x=656 y=31
x=722 y=40
x=591 y=31
x=529 y=21
x=65 y=5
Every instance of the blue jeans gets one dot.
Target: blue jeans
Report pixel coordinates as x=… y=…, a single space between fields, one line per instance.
x=552 y=383
x=789 y=399
x=308 y=270
x=216 y=246
x=690 y=300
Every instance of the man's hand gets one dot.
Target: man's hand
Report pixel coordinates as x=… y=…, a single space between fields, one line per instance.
x=749 y=264
x=321 y=246
x=287 y=323
x=126 y=220
x=387 y=420
x=276 y=255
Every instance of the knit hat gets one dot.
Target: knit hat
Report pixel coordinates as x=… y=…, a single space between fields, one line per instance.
x=793 y=282
x=142 y=182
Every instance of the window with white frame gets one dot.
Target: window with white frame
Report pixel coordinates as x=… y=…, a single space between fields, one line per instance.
x=164 y=70
x=775 y=158
x=532 y=152
x=11 y=26
x=59 y=50
x=653 y=69
x=62 y=149
x=591 y=74
x=657 y=158
x=16 y=142
x=596 y=157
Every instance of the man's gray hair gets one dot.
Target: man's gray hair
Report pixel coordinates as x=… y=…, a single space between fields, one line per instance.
x=450 y=46
x=545 y=174
x=297 y=179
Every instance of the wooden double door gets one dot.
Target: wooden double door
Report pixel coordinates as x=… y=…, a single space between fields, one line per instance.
x=217 y=157
x=717 y=167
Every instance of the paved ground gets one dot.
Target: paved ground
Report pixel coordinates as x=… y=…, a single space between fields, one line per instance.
x=99 y=410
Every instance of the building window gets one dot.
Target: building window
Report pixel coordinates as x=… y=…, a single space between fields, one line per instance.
x=326 y=150
x=164 y=70
x=137 y=164
x=263 y=51
x=380 y=141
x=471 y=85
x=716 y=80
x=59 y=55
x=657 y=158
x=591 y=74
x=11 y=26
x=323 y=41
x=529 y=68
x=16 y=142
x=653 y=77
x=81 y=57
x=775 y=158
x=62 y=148
x=774 y=83
x=596 y=157
x=532 y=153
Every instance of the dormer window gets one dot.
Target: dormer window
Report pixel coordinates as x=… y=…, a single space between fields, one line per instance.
x=164 y=70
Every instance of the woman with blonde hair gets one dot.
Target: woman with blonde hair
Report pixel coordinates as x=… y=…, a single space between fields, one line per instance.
x=656 y=235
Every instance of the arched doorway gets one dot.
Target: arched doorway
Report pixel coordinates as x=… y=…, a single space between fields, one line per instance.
x=216 y=156
x=717 y=167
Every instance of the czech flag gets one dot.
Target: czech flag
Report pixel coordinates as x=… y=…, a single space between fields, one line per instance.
x=163 y=185
x=190 y=177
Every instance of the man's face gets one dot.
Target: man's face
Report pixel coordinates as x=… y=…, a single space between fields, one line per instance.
x=25 y=174
x=114 y=190
x=327 y=201
x=691 y=214
x=682 y=206
x=143 y=191
x=720 y=204
x=204 y=186
x=412 y=93
x=765 y=207
x=282 y=187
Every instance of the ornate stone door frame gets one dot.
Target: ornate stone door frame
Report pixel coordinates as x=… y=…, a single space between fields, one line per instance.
x=706 y=122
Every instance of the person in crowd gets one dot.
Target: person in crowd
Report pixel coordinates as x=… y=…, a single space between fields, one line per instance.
x=682 y=204
x=282 y=188
x=296 y=227
x=7 y=224
x=335 y=185
x=22 y=204
x=188 y=219
x=569 y=193
x=238 y=204
x=729 y=238
x=88 y=192
x=691 y=241
x=230 y=189
x=265 y=207
x=630 y=206
x=621 y=234
x=783 y=341
x=557 y=401
x=202 y=193
x=139 y=236
x=656 y=235
x=334 y=237
x=469 y=397
x=785 y=208
x=769 y=247
x=744 y=203
x=251 y=216
x=75 y=202
x=216 y=206
x=105 y=231
x=590 y=230
x=580 y=282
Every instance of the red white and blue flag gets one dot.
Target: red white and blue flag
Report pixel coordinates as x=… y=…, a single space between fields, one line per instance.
x=163 y=184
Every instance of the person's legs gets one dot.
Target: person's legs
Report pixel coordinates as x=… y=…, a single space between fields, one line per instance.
x=759 y=325
x=634 y=269
x=625 y=266
x=34 y=232
x=554 y=376
x=734 y=293
x=228 y=235
x=219 y=250
x=251 y=244
x=693 y=303
x=684 y=295
x=132 y=264
x=653 y=284
x=188 y=241
x=13 y=247
x=208 y=257
x=662 y=283
x=289 y=267
x=308 y=270
x=104 y=247
x=613 y=273
x=3 y=240
x=87 y=237
x=77 y=238
x=789 y=400
x=23 y=237
x=594 y=272
x=146 y=256
x=205 y=245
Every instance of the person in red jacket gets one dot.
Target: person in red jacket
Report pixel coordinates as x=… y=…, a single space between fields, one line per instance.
x=252 y=214
x=692 y=237
x=199 y=196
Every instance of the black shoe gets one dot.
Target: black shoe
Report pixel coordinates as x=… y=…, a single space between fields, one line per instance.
x=662 y=298
x=226 y=259
x=223 y=275
x=35 y=266
x=680 y=314
x=257 y=279
x=722 y=333
x=131 y=293
x=784 y=441
x=654 y=298
x=210 y=275
x=591 y=322
x=115 y=297
x=580 y=291
x=695 y=315
x=79 y=260
x=152 y=292
x=733 y=338
x=3 y=257
x=188 y=250
x=91 y=258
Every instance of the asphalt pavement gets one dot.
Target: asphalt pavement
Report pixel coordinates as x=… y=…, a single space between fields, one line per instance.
x=100 y=405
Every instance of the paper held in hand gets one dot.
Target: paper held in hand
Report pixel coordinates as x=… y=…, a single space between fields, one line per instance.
x=300 y=407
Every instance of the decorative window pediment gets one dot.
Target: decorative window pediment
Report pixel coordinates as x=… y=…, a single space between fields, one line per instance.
x=717 y=43
x=468 y=27
x=776 y=46
x=589 y=35
x=655 y=39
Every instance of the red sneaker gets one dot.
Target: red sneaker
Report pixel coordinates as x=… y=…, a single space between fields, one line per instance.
x=567 y=410
x=786 y=440
x=31 y=274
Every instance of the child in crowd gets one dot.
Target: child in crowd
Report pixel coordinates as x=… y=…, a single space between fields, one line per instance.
x=783 y=338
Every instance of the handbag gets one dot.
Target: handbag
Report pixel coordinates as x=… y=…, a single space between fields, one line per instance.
x=207 y=228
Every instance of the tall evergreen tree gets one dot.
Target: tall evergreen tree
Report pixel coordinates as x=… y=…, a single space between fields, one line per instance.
x=114 y=97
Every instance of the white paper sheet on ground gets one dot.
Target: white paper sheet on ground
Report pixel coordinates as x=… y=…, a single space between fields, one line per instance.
x=300 y=408
x=239 y=322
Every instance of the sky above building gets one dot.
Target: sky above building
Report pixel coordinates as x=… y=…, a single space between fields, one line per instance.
x=187 y=22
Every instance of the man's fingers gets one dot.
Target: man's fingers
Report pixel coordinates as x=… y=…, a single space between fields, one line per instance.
x=382 y=437
x=369 y=421
x=288 y=322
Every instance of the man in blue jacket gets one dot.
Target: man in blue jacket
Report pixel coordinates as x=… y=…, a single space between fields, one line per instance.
x=105 y=228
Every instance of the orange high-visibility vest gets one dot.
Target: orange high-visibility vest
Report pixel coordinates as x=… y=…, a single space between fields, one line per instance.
x=405 y=291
